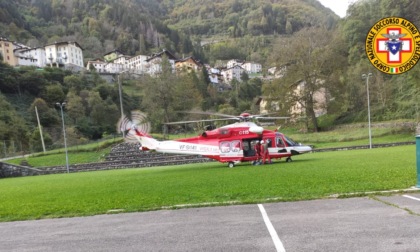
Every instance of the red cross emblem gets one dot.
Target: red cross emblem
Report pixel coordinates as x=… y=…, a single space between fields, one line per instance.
x=394 y=54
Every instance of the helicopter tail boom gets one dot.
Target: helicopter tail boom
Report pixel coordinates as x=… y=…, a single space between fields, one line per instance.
x=146 y=141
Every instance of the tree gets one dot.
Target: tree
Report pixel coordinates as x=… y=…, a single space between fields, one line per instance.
x=186 y=93
x=12 y=126
x=105 y=114
x=53 y=94
x=73 y=82
x=159 y=94
x=35 y=140
x=8 y=79
x=47 y=115
x=74 y=106
x=308 y=61
x=31 y=81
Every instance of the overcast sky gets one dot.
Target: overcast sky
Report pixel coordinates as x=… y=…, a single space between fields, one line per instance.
x=338 y=6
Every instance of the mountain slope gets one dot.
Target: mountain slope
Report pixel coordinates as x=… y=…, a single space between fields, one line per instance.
x=241 y=17
x=143 y=26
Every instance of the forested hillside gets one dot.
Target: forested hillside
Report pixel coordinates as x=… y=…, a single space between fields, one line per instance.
x=99 y=26
x=237 y=18
x=143 y=26
x=338 y=57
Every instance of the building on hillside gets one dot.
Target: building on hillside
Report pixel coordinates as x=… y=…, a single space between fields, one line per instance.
x=217 y=82
x=216 y=79
x=232 y=73
x=122 y=59
x=233 y=62
x=113 y=55
x=189 y=64
x=277 y=72
x=37 y=56
x=137 y=63
x=319 y=98
x=114 y=68
x=265 y=106
x=98 y=65
x=296 y=109
x=101 y=66
x=7 y=50
x=140 y=64
x=26 y=56
x=252 y=68
x=154 y=62
x=65 y=54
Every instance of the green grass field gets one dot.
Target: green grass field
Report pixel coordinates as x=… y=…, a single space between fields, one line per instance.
x=310 y=176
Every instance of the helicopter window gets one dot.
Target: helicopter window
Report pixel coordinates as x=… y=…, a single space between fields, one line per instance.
x=290 y=142
x=279 y=142
x=236 y=146
x=224 y=131
x=225 y=147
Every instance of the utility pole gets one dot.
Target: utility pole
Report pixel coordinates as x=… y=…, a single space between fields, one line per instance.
x=40 y=129
x=61 y=105
x=366 y=76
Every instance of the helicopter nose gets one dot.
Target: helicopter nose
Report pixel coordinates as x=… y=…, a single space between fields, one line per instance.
x=303 y=149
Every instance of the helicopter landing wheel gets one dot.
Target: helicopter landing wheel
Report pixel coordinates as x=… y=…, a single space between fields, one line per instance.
x=289 y=159
x=231 y=164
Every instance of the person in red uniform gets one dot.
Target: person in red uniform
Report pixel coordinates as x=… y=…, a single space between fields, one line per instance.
x=257 y=148
x=264 y=152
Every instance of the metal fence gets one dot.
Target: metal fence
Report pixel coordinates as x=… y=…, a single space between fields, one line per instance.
x=12 y=148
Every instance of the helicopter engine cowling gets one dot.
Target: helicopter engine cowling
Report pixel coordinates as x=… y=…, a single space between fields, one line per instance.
x=256 y=129
x=211 y=133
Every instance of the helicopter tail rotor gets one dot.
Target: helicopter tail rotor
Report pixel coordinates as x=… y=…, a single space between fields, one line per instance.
x=132 y=127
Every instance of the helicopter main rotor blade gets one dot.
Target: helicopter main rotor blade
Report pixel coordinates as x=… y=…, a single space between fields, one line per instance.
x=209 y=113
x=271 y=117
x=196 y=121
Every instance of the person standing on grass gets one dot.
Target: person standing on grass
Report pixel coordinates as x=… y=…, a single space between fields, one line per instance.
x=257 y=148
x=264 y=152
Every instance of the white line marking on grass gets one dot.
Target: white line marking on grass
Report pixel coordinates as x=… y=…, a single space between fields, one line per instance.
x=273 y=233
x=411 y=197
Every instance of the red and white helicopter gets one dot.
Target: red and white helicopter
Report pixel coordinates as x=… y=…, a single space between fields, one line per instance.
x=232 y=144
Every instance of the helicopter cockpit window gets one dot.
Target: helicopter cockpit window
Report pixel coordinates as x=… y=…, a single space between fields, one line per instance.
x=290 y=142
x=279 y=142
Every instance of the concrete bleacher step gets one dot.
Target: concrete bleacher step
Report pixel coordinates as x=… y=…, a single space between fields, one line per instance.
x=126 y=155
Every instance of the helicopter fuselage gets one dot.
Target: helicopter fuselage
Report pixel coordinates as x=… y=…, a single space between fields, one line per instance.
x=232 y=143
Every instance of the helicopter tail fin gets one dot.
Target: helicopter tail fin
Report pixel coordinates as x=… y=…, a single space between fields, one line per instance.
x=147 y=142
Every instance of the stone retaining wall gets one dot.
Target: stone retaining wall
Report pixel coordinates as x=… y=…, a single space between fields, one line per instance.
x=10 y=170
x=121 y=156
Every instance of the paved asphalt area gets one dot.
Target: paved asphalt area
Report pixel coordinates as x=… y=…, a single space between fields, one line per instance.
x=376 y=223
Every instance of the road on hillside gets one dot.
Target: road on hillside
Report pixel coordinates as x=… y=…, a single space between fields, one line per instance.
x=355 y=224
